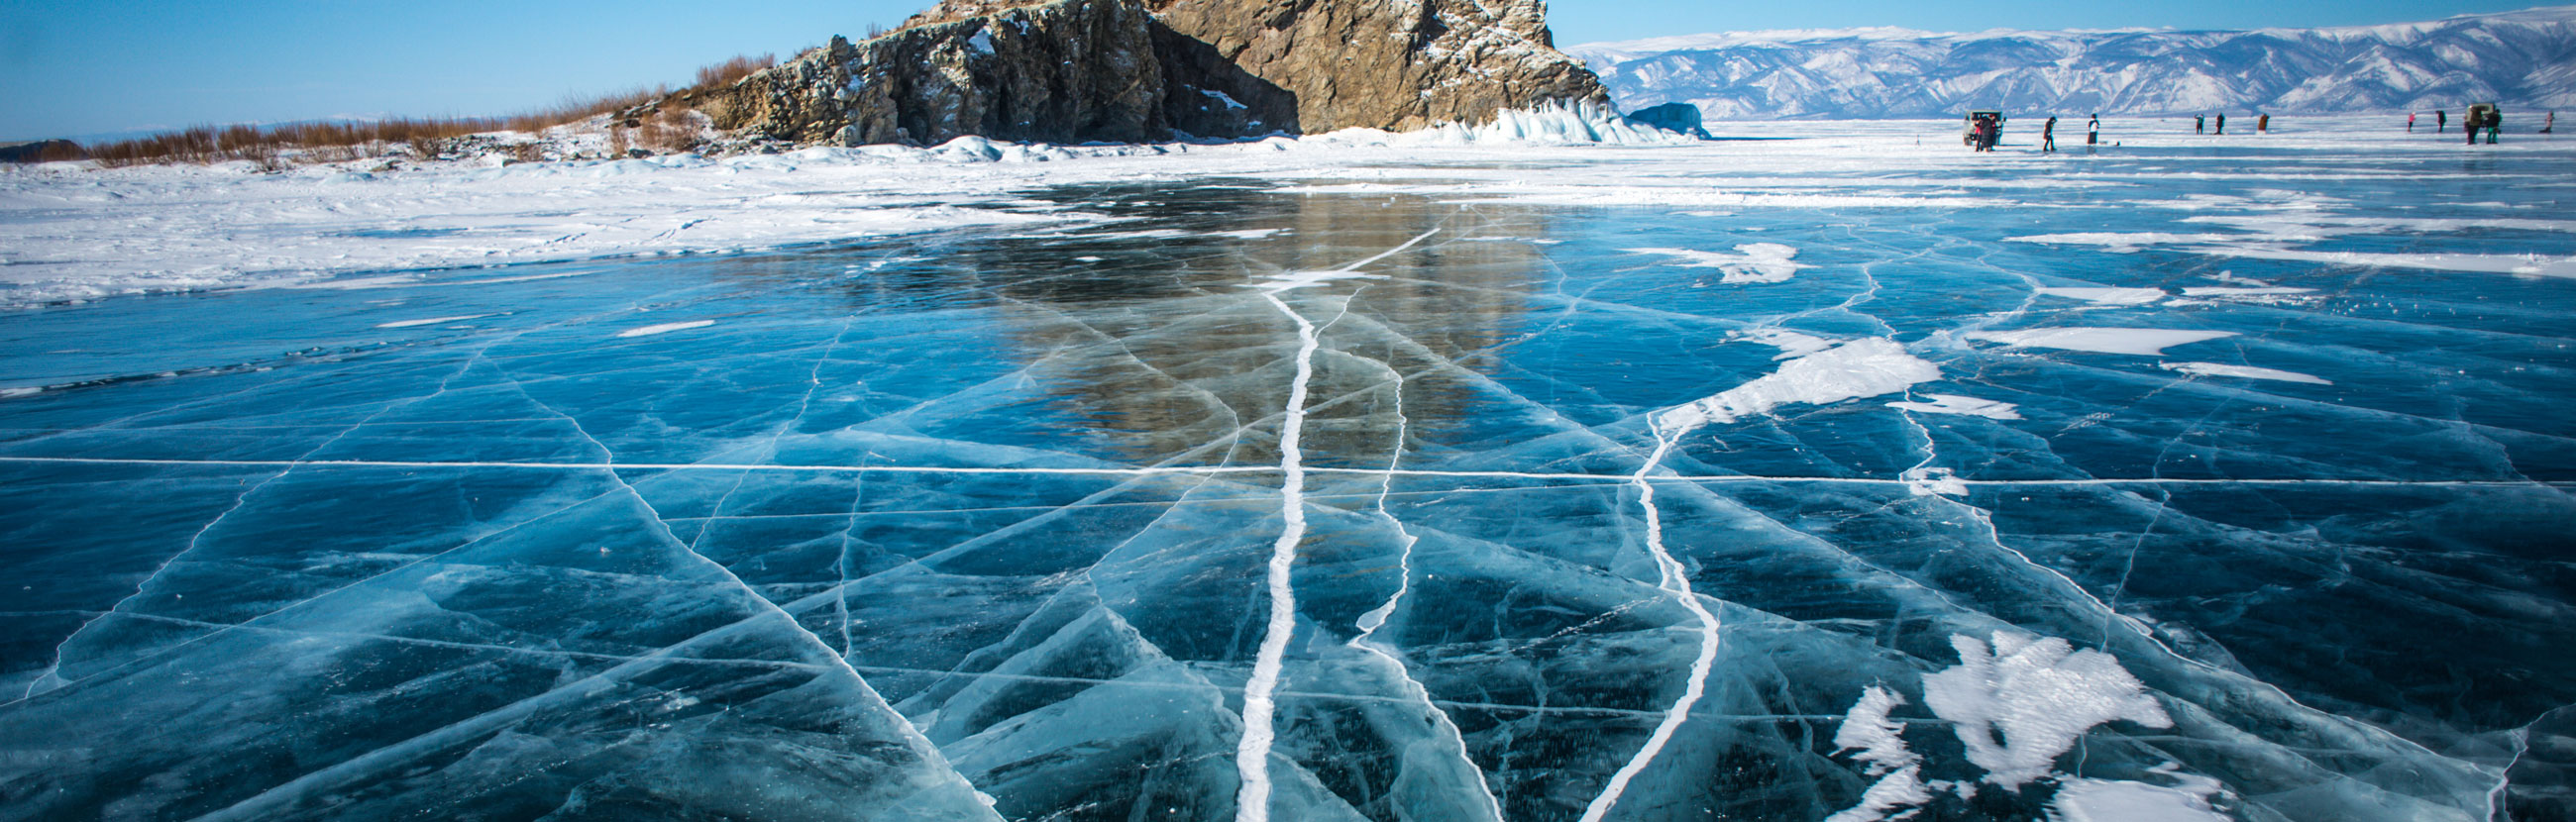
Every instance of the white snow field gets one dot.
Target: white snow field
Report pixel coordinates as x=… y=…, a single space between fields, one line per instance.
x=68 y=232
x=1554 y=470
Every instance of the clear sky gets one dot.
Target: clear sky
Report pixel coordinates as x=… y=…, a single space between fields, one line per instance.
x=90 y=67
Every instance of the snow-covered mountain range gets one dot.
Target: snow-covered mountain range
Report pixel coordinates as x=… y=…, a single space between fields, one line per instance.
x=2525 y=59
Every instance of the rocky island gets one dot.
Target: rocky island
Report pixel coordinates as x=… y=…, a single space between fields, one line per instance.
x=1069 y=71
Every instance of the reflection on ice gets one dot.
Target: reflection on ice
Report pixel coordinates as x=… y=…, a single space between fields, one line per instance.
x=1319 y=506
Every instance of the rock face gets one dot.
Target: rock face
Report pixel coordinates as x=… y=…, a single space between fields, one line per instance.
x=1320 y=65
x=1136 y=70
x=1065 y=71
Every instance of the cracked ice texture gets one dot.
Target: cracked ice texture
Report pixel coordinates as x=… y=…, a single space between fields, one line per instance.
x=920 y=520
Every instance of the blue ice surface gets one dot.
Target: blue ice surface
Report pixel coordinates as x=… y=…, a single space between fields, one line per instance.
x=976 y=524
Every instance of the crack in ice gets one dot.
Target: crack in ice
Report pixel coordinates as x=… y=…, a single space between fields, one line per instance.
x=1370 y=622
x=1252 y=754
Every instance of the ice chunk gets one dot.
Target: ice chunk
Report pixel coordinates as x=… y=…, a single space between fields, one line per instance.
x=1860 y=368
x=2141 y=341
x=1752 y=262
x=2018 y=705
x=2211 y=369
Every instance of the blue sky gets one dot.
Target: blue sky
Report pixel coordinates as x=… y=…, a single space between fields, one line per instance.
x=85 y=67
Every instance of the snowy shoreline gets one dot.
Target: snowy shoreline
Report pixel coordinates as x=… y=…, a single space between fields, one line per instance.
x=70 y=233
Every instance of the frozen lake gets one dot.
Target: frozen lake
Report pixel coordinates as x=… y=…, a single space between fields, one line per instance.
x=2196 y=480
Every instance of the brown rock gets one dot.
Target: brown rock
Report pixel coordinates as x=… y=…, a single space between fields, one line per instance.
x=1320 y=65
x=1138 y=70
x=1064 y=71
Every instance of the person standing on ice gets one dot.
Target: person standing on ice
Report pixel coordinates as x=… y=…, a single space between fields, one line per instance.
x=2551 y=124
x=2200 y=124
x=2048 y=135
x=2410 y=122
x=2441 y=120
x=2495 y=124
x=2092 y=133
x=2222 y=123
x=2263 y=124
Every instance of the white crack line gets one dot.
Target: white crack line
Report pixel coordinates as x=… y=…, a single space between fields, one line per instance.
x=1252 y=754
x=1676 y=580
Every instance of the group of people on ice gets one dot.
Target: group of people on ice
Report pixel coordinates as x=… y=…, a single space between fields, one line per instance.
x=1986 y=127
x=2048 y=134
x=2200 y=123
x=2487 y=118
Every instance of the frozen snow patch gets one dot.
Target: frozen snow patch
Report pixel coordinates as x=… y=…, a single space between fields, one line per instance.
x=2023 y=701
x=1860 y=368
x=2107 y=800
x=1868 y=730
x=1752 y=262
x=1961 y=405
x=1790 y=343
x=2108 y=296
x=2124 y=242
x=2211 y=369
x=1883 y=754
x=1251 y=233
x=432 y=321
x=664 y=328
x=1926 y=482
x=1293 y=280
x=2218 y=291
x=2141 y=341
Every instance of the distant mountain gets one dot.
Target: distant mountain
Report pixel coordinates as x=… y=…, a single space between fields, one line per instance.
x=2525 y=59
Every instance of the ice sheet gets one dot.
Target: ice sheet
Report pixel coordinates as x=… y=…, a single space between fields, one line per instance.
x=1485 y=516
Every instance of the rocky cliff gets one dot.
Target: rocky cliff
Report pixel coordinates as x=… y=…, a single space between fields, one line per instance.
x=1320 y=65
x=1065 y=71
x=1135 y=70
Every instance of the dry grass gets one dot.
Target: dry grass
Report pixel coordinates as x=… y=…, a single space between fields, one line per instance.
x=667 y=130
x=331 y=142
x=732 y=71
